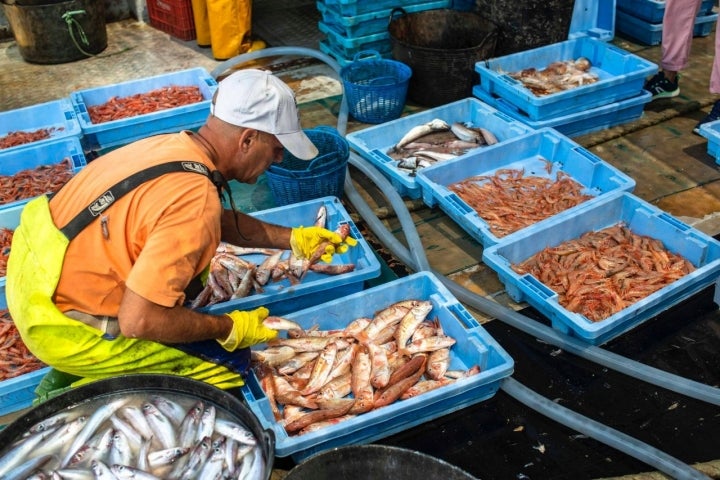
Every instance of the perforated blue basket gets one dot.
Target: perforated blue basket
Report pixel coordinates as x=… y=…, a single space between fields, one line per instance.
x=294 y=180
x=375 y=88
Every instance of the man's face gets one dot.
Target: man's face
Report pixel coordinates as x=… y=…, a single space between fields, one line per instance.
x=264 y=150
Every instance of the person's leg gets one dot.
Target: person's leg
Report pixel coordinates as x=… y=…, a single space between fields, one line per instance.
x=714 y=85
x=677 y=35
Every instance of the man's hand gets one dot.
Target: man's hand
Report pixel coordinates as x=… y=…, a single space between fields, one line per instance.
x=248 y=329
x=306 y=241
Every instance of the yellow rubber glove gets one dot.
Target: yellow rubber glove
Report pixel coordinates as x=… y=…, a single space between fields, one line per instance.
x=248 y=329
x=305 y=241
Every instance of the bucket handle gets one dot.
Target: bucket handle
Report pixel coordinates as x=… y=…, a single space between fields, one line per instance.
x=394 y=11
x=69 y=18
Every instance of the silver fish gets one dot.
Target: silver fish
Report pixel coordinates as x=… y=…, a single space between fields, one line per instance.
x=63 y=435
x=142 y=460
x=19 y=452
x=125 y=471
x=48 y=423
x=198 y=457
x=170 y=409
x=489 y=137
x=74 y=474
x=167 y=456
x=135 y=417
x=94 y=449
x=190 y=424
x=321 y=217
x=132 y=436
x=464 y=133
x=207 y=423
x=231 y=454
x=120 y=452
x=97 y=418
x=214 y=465
x=435 y=156
x=235 y=431
x=162 y=427
x=26 y=468
x=102 y=471
x=436 y=125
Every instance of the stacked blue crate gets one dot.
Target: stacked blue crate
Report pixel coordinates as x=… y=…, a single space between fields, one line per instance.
x=641 y=20
x=351 y=26
x=616 y=97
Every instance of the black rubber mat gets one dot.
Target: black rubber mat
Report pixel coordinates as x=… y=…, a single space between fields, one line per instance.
x=292 y=23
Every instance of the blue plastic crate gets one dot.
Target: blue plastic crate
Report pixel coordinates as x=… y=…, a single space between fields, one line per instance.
x=351 y=8
x=528 y=152
x=282 y=297
x=474 y=346
x=47 y=153
x=651 y=33
x=9 y=218
x=57 y=115
x=368 y=23
x=126 y=130
x=711 y=131
x=18 y=393
x=652 y=11
x=641 y=218
x=348 y=47
x=621 y=75
x=372 y=143
x=594 y=18
x=580 y=123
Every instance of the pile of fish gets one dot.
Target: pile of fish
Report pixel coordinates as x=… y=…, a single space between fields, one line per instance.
x=509 y=200
x=436 y=141
x=314 y=378
x=6 y=235
x=556 y=77
x=601 y=273
x=140 y=436
x=32 y=182
x=15 y=358
x=233 y=277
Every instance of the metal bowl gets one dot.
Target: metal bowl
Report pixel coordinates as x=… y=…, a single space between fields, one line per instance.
x=231 y=406
x=370 y=462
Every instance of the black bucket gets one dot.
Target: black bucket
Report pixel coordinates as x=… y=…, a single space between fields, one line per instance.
x=370 y=462
x=152 y=384
x=441 y=47
x=58 y=32
x=528 y=24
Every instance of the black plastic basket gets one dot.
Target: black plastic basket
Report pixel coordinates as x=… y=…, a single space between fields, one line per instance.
x=375 y=88
x=295 y=180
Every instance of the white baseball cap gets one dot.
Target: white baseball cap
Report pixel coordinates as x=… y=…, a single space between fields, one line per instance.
x=258 y=99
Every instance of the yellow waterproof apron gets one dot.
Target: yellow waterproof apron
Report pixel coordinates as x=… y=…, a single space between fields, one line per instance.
x=33 y=271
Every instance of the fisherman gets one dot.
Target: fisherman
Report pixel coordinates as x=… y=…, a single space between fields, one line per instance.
x=98 y=276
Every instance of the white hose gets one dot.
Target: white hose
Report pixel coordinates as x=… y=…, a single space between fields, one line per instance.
x=414 y=256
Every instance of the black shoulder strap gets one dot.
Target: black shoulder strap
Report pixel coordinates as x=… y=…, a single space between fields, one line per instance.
x=100 y=204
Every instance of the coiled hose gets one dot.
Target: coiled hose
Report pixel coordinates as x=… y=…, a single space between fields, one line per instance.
x=417 y=260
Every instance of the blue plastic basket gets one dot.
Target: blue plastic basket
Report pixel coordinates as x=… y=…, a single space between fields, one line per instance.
x=375 y=88
x=294 y=180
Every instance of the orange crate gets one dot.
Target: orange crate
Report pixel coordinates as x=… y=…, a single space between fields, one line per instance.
x=172 y=16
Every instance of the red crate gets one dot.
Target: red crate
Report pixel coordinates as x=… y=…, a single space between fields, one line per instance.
x=173 y=16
